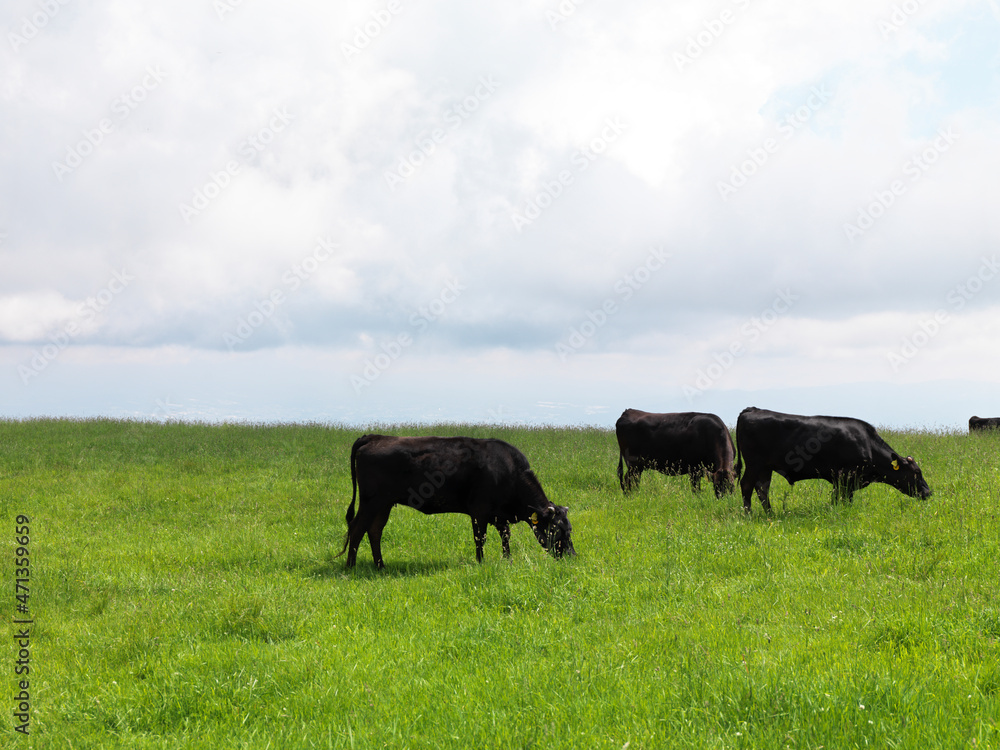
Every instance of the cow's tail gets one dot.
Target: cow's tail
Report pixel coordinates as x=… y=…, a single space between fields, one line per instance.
x=354 y=489
x=354 y=476
x=621 y=476
x=739 y=452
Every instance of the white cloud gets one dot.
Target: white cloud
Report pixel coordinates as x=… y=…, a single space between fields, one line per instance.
x=685 y=128
x=29 y=317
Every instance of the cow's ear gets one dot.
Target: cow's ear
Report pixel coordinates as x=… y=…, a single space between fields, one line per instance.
x=895 y=462
x=533 y=518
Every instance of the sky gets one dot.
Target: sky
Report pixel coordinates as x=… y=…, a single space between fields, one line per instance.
x=535 y=212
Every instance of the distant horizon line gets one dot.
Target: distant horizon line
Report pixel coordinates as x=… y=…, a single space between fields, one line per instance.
x=368 y=425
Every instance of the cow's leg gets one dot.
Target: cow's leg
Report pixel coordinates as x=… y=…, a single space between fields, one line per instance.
x=855 y=485
x=375 y=537
x=479 y=535
x=352 y=547
x=752 y=481
x=763 y=486
x=696 y=479
x=746 y=488
x=844 y=487
x=632 y=475
x=356 y=531
x=504 y=530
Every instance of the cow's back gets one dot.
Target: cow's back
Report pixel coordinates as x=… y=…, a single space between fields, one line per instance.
x=983 y=423
x=784 y=442
x=686 y=438
x=440 y=474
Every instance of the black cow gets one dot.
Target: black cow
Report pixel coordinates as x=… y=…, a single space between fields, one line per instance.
x=846 y=452
x=490 y=480
x=683 y=443
x=983 y=423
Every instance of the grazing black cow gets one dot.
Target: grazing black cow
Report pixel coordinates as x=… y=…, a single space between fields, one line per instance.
x=846 y=452
x=684 y=443
x=490 y=480
x=984 y=423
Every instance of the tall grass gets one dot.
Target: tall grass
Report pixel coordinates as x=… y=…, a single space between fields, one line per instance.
x=185 y=594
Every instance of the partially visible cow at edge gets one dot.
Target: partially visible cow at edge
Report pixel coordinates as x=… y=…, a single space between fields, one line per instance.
x=679 y=443
x=489 y=480
x=846 y=452
x=984 y=423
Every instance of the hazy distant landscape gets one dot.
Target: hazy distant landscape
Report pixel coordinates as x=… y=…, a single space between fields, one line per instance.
x=269 y=389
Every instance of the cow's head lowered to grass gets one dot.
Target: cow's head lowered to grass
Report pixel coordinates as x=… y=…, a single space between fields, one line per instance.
x=552 y=529
x=906 y=477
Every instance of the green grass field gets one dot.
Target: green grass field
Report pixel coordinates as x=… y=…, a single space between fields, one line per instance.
x=184 y=593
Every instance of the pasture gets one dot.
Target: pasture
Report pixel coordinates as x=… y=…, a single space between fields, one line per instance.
x=185 y=594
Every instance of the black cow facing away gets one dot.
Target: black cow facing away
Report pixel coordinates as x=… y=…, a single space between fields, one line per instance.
x=846 y=452
x=983 y=423
x=682 y=443
x=489 y=480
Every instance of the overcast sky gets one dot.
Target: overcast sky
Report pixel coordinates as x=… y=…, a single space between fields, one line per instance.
x=532 y=212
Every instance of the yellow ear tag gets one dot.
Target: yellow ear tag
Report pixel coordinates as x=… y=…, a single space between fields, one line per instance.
x=895 y=465
x=534 y=519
